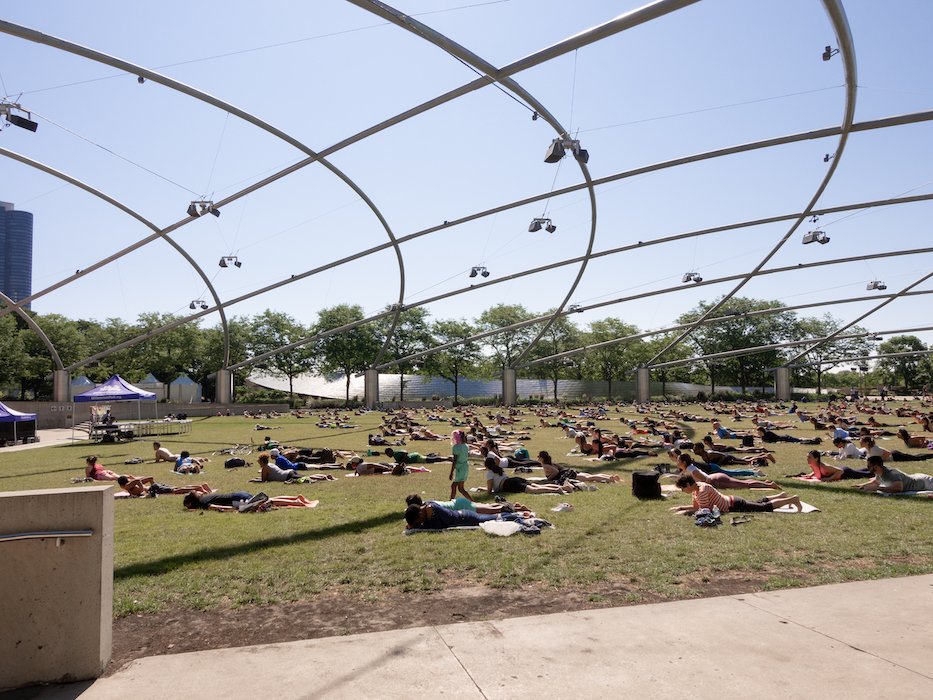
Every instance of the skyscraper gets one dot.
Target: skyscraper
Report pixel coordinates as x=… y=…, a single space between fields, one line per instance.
x=15 y=252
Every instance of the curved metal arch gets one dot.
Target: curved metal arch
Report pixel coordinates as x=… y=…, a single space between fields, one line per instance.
x=16 y=306
x=644 y=295
x=739 y=352
x=843 y=360
x=840 y=24
x=99 y=57
x=35 y=328
x=457 y=51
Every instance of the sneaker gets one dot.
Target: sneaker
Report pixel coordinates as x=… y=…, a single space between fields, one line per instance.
x=258 y=498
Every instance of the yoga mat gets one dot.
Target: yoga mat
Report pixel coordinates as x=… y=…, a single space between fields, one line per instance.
x=807 y=508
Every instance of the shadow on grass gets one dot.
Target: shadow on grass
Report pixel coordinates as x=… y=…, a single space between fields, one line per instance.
x=170 y=563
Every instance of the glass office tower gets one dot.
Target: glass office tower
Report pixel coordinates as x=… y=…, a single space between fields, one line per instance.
x=15 y=252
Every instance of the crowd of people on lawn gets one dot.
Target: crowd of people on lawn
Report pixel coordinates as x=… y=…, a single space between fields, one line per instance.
x=726 y=458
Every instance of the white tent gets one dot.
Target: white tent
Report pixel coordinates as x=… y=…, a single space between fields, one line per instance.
x=184 y=390
x=150 y=383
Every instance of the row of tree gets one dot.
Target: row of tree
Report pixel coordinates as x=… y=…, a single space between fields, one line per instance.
x=198 y=351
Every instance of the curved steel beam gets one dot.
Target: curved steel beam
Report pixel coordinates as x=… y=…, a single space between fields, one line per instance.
x=17 y=306
x=713 y=320
x=34 y=327
x=657 y=292
x=840 y=24
x=457 y=51
x=880 y=306
x=99 y=57
x=789 y=344
x=843 y=360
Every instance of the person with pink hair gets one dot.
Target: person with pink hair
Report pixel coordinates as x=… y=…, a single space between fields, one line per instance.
x=459 y=464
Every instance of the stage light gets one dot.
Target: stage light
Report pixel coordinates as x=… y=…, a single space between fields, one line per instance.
x=558 y=149
x=554 y=152
x=828 y=157
x=479 y=270
x=540 y=222
x=223 y=262
x=575 y=309
x=193 y=210
x=227 y=259
x=485 y=272
x=692 y=277
x=7 y=109
x=200 y=207
x=829 y=52
x=534 y=226
x=550 y=228
x=815 y=237
x=876 y=284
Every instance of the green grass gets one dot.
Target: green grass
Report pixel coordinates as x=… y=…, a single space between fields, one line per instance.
x=166 y=557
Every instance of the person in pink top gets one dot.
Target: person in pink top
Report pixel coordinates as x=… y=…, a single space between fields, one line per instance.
x=98 y=472
x=706 y=496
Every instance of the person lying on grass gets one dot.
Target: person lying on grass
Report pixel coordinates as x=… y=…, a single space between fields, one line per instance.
x=560 y=475
x=434 y=517
x=708 y=444
x=723 y=459
x=873 y=450
x=712 y=467
x=461 y=503
x=138 y=486
x=272 y=472
x=362 y=468
x=686 y=465
x=828 y=472
x=498 y=482
x=163 y=454
x=97 y=471
x=890 y=480
x=186 y=464
x=914 y=440
x=231 y=502
x=706 y=496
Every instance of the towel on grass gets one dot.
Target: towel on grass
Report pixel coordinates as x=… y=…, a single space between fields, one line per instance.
x=807 y=508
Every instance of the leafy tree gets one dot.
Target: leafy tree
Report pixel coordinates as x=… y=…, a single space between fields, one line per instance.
x=455 y=362
x=166 y=355
x=68 y=340
x=645 y=350
x=506 y=346
x=272 y=330
x=351 y=351
x=613 y=361
x=412 y=334
x=13 y=352
x=832 y=350
x=904 y=368
x=561 y=336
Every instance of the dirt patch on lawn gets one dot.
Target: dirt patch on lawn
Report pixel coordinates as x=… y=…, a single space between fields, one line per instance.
x=332 y=614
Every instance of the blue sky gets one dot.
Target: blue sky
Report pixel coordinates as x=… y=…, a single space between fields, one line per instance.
x=718 y=73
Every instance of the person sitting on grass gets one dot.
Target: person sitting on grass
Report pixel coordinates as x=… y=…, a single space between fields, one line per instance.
x=890 y=480
x=686 y=465
x=138 y=486
x=231 y=502
x=706 y=496
x=163 y=454
x=828 y=472
x=498 y=482
x=98 y=472
x=561 y=475
x=269 y=471
x=461 y=503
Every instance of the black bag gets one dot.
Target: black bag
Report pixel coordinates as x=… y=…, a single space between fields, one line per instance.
x=234 y=462
x=748 y=441
x=645 y=485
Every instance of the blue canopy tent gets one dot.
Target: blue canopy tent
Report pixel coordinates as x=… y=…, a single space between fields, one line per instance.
x=115 y=389
x=15 y=425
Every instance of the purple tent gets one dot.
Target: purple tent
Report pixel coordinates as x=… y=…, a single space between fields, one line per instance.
x=115 y=389
x=9 y=418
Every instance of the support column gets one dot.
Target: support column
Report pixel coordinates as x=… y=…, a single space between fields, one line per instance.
x=224 y=392
x=782 y=386
x=371 y=388
x=642 y=385
x=61 y=386
x=509 y=387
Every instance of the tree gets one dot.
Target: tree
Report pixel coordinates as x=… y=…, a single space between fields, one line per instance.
x=67 y=339
x=411 y=335
x=457 y=361
x=614 y=361
x=832 y=350
x=506 y=346
x=562 y=335
x=643 y=352
x=12 y=351
x=904 y=368
x=352 y=350
x=167 y=355
x=272 y=330
x=741 y=331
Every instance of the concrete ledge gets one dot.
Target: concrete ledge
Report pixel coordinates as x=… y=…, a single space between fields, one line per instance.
x=56 y=590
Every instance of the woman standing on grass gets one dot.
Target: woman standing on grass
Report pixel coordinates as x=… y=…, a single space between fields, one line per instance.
x=459 y=466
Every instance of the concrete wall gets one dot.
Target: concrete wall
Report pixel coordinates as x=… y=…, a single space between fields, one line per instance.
x=56 y=594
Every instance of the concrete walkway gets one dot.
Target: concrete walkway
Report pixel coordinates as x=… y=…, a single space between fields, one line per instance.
x=50 y=437
x=855 y=640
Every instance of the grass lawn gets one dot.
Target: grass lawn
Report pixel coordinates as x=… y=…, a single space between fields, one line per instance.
x=169 y=558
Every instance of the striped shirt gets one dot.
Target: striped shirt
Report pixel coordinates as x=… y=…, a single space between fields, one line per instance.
x=707 y=496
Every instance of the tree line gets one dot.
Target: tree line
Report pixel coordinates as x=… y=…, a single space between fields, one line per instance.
x=198 y=351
